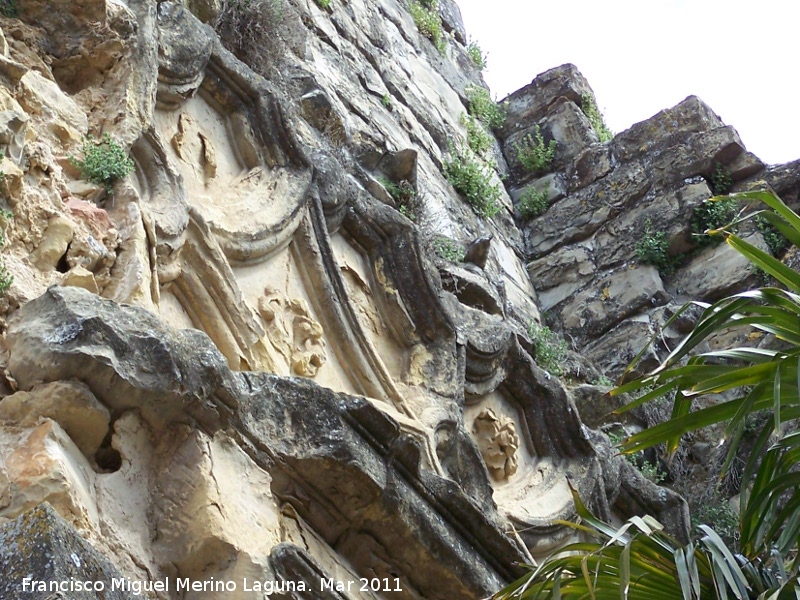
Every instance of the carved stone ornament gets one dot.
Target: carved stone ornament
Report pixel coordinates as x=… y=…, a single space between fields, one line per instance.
x=498 y=442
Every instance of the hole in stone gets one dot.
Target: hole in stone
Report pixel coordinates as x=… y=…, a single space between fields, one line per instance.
x=63 y=263
x=107 y=458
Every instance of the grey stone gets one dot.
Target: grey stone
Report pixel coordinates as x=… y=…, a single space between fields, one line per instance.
x=667 y=212
x=589 y=165
x=614 y=351
x=579 y=215
x=717 y=271
x=668 y=127
x=618 y=295
x=452 y=21
x=42 y=546
x=310 y=439
x=530 y=103
x=554 y=183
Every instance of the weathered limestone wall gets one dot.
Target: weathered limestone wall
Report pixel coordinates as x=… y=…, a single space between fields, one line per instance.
x=269 y=372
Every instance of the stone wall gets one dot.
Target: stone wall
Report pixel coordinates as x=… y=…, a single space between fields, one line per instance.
x=583 y=262
x=245 y=361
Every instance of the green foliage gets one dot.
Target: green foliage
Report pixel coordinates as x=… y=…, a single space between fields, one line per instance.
x=386 y=100
x=483 y=108
x=6 y=278
x=639 y=561
x=533 y=202
x=549 y=348
x=589 y=108
x=449 y=249
x=651 y=471
x=402 y=191
x=718 y=514
x=775 y=240
x=404 y=194
x=711 y=215
x=472 y=180
x=9 y=8
x=408 y=212
x=325 y=4
x=478 y=139
x=603 y=380
x=429 y=23
x=648 y=469
x=721 y=180
x=653 y=249
x=476 y=55
x=103 y=161
x=766 y=379
x=534 y=155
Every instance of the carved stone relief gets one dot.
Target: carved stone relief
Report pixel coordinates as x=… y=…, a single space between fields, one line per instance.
x=498 y=441
x=292 y=331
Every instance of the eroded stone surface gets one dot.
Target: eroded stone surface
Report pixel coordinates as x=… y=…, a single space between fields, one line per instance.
x=41 y=543
x=259 y=223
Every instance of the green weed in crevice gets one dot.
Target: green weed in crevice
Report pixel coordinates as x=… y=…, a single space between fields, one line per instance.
x=404 y=194
x=482 y=107
x=534 y=154
x=104 y=161
x=426 y=17
x=653 y=249
x=449 y=249
x=478 y=139
x=476 y=55
x=775 y=240
x=533 y=202
x=549 y=348
x=721 y=180
x=712 y=215
x=472 y=179
x=9 y=8
x=589 y=108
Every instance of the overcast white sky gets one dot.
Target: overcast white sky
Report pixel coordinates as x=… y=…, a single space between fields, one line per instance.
x=742 y=58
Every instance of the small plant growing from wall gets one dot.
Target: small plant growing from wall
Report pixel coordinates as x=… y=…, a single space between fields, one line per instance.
x=386 y=100
x=6 y=279
x=449 y=249
x=478 y=139
x=9 y=8
x=472 y=180
x=534 y=154
x=712 y=215
x=648 y=469
x=476 y=55
x=589 y=108
x=103 y=162
x=426 y=17
x=533 y=202
x=775 y=240
x=721 y=180
x=483 y=108
x=403 y=194
x=549 y=348
x=324 y=4
x=653 y=249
